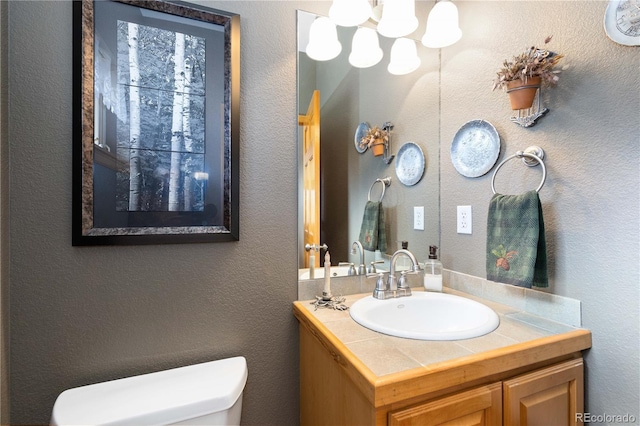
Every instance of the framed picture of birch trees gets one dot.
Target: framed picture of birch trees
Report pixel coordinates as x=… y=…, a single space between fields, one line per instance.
x=156 y=123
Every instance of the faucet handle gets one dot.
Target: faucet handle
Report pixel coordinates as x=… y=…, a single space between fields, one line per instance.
x=382 y=288
x=372 y=268
x=352 y=268
x=403 y=286
x=376 y=274
x=402 y=281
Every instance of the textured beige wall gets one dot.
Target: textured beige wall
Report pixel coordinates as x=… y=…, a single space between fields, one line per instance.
x=80 y=315
x=86 y=314
x=4 y=224
x=591 y=198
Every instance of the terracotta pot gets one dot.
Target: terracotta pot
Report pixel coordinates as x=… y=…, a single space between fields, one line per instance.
x=521 y=94
x=377 y=148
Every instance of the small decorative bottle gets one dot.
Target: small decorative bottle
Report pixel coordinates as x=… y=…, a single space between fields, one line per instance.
x=433 y=271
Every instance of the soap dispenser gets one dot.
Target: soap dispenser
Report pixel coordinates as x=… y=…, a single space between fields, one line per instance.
x=433 y=271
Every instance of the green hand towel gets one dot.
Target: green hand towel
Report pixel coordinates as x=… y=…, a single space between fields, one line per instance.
x=516 y=248
x=372 y=232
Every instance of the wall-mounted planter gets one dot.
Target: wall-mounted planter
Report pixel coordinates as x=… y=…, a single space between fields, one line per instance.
x=521 y=94
x=377 y=148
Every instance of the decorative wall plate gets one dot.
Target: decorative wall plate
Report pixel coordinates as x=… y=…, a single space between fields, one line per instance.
x=475 y=148
x=361 y=131
x=410 y=164
x=622 y=22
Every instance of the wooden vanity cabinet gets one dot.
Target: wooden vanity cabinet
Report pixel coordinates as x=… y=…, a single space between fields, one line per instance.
x=537 y=382
x=549 y=396
x=477 y=407
x=534 y=383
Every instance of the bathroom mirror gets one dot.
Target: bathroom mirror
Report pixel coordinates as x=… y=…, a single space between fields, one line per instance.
x=156 y=123
x=348 y=97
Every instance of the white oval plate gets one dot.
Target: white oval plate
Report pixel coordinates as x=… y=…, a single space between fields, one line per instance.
x=410 y=164
x=475 y=148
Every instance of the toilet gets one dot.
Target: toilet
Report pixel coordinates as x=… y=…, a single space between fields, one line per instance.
x=202 y=394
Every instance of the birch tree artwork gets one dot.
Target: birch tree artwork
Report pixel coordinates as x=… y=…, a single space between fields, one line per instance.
x=160 y=138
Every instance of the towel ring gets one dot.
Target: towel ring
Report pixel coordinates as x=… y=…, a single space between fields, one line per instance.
x=385 y=182
x=531 y=157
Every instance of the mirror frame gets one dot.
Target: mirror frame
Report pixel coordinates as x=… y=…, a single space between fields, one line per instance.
x=153 y=227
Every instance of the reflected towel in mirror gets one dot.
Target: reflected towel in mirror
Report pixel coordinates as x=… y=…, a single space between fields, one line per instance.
x=516 y=247
x=372 y=232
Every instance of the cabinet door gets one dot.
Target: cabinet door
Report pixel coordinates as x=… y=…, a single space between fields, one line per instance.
x=480 y=406
x=548 y=397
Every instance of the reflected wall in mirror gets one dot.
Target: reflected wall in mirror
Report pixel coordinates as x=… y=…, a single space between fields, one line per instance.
x=156 y=112
x=347 y=97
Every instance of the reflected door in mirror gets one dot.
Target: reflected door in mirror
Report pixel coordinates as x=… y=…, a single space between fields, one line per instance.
x=311 y=174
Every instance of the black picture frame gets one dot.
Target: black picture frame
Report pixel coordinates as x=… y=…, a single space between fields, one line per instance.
x=156 y=91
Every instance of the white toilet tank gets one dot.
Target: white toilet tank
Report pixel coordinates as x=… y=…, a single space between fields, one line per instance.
x=202 y=394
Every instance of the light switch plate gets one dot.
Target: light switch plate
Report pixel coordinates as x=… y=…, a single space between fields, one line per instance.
x=464 y=220
x=418 y=218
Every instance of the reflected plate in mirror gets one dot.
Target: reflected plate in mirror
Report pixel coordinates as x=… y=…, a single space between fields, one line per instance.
x=475 y=148
x=361 y=131
x=410 y=164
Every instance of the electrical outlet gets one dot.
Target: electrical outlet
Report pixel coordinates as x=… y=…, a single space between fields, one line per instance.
x=464 y=220
x=418 y=218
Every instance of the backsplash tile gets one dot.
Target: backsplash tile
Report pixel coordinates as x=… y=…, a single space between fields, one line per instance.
x=550 y=306
x=553 y=307
x=504 y=293
x=546 y=305
x=463 y=282
x=309 y=289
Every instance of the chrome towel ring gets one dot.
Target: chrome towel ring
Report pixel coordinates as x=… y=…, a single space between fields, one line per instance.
x=385 y=182
x=532 y=156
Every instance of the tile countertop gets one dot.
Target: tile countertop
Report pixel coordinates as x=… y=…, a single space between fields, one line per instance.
x=383 y=354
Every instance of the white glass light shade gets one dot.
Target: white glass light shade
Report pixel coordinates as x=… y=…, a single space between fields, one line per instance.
x=323 y=40
x=442 y=25
x=349 y=13
x=404 y=57
x=398 y=18
x=365 y=48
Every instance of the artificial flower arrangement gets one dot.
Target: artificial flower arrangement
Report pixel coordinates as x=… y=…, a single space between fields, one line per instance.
x=532 y=63
x=376 y=139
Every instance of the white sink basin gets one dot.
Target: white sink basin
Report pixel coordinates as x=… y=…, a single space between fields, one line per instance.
x=426 y=316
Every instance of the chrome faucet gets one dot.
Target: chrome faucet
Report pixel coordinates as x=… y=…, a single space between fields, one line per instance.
x=316 y=248
x=362 y=269
x=400 y=286
x=395 y=287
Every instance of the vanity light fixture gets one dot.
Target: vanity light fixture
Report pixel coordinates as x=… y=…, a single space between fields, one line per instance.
x=404 y=57
x=323 y=40
x=349 y=13
x=365 y=48
x=398 y=18
x=442 y=25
